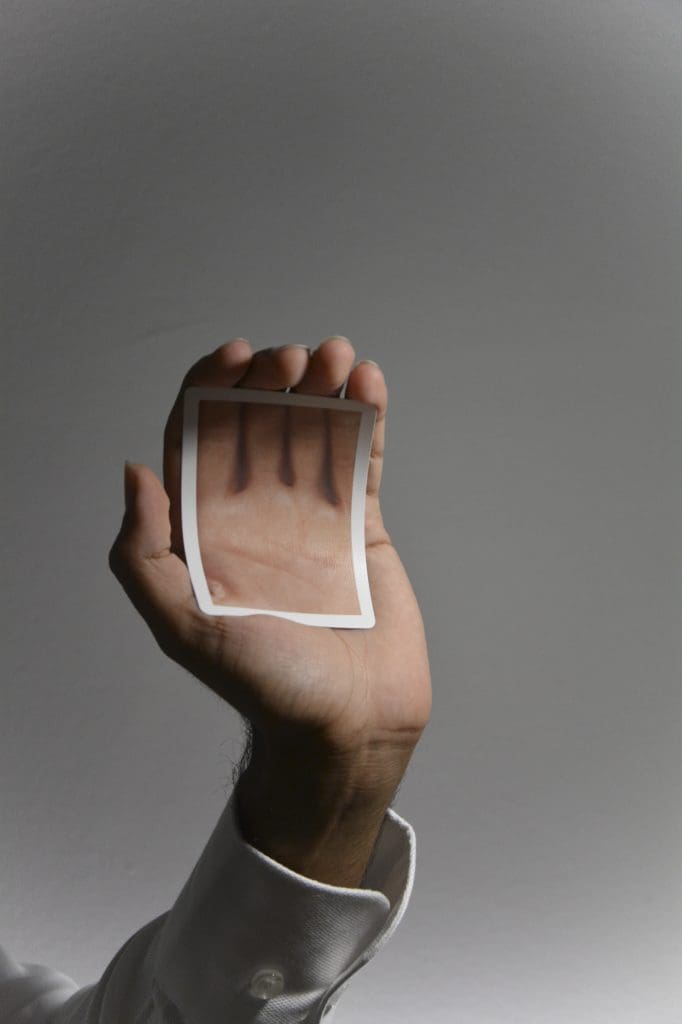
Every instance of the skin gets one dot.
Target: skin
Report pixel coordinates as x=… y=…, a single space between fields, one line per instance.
x=290 y=470
x=335 y=714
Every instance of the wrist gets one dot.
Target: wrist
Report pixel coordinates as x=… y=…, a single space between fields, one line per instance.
x=315 y=809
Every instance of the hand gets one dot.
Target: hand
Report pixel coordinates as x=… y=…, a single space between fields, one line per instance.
x=357 y=700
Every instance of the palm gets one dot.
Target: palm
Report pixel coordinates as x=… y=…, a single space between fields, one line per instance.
x=284 y=672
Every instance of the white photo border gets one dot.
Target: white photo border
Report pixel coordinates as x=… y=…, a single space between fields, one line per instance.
x=365 y=619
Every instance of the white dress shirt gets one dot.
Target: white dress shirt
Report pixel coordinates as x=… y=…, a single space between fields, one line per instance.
x=248 y=941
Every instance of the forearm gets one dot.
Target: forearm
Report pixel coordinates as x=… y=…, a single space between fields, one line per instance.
x=316 y=811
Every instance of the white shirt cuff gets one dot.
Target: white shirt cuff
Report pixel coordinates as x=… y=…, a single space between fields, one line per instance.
x=248 y=941
x=251 y=939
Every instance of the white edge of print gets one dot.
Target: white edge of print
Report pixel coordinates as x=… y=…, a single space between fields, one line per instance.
x=190 y=531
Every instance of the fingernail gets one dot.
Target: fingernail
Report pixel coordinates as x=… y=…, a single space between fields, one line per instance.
x=280 y=347
x=370 y=361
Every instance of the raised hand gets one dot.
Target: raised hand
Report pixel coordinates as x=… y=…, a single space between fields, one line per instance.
x=352 y=686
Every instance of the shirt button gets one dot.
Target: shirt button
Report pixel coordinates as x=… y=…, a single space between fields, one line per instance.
x=266 y=983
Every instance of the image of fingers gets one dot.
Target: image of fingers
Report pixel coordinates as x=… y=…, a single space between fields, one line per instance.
x=324 y=444
x=258 y=445
x=274 y=496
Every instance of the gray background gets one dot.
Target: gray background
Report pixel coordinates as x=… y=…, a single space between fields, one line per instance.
x=484 y=197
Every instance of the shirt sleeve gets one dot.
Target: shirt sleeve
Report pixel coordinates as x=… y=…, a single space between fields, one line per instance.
x=247 y=941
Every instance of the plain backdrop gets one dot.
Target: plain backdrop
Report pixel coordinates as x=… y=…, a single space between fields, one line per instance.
x=486 y=199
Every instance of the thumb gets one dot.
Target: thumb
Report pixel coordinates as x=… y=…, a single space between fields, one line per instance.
x=156 y=580
x=146 y=522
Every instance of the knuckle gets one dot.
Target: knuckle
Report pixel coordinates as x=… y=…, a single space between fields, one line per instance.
x=114 y=558
x=119 y=557
x=173 y=424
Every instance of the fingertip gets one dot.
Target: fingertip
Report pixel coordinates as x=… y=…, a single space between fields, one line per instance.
x=149 y=487
x=338 y=346
x=232 y=353
x=129 y=484
x=366 y=383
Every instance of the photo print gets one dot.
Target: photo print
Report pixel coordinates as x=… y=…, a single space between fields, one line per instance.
x=273 y=504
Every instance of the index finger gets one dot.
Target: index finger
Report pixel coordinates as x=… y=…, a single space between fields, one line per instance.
x=221 y=368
